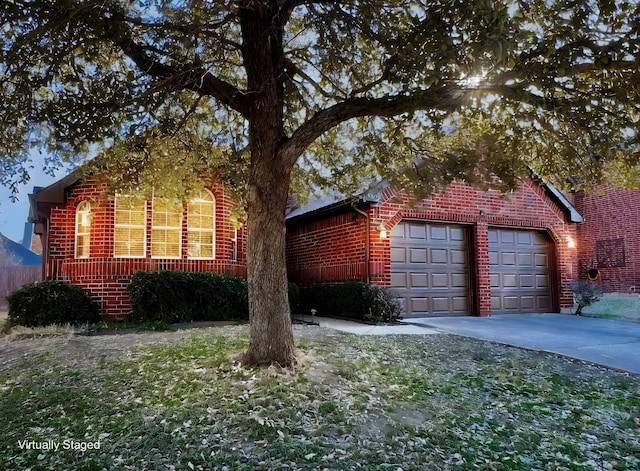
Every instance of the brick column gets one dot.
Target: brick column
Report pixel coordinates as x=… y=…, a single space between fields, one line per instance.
x=380 y=262
x=483 y=281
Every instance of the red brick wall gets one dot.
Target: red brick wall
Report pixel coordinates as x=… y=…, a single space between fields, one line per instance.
x=314 y=247
x=106 y=278
x=610 y=214
x=327 y=249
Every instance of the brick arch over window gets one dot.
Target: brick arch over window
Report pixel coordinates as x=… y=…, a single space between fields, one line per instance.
x=201 y=219
x=83 y=230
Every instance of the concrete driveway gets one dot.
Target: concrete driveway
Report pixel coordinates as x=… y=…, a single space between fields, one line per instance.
x=607 y=342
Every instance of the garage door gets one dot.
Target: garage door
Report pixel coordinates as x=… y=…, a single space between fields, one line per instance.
x=429 y=268
x=520 y=271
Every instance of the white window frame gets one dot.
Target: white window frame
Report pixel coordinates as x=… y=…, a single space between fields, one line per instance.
x=165 y=228
x=83 y=230
x=205 y=197
x=234 y=246
x=129 y=226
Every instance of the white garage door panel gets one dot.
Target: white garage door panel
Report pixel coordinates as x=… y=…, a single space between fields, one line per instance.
x=419 y=280
x=398 y=254
x=398 y=280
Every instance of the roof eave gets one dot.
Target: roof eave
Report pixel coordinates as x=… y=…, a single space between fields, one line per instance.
x=329 y=209
x=41 y=201
x=570 y=209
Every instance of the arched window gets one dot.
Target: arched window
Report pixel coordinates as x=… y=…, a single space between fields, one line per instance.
x=83 y=230
x=129 y=231
x=201 y=220
x=166 y=228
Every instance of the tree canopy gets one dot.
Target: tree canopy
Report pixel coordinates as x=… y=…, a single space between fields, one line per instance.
x=325 y=92
x=551 y=85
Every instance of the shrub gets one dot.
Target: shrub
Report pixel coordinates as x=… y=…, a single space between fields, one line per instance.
x=294 y=296
x=177 y=296
x=351 y=299
x=385 y=306
x=585 y=293
x=50 y=302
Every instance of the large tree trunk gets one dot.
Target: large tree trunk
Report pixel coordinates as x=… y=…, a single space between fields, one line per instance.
x=271 y=337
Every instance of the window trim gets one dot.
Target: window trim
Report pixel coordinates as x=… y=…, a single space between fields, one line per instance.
x=177 y=229
x=143 y=226
x=83 y=220
x=210 y=198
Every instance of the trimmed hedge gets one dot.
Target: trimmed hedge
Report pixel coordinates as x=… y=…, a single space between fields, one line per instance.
x=352 y=300
x=178 y=296
x=50 y=302
x=294 y=296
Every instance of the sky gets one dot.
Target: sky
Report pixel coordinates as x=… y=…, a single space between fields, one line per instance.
x=14 y=215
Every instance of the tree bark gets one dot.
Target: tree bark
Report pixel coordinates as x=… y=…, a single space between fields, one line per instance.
x=271 y=334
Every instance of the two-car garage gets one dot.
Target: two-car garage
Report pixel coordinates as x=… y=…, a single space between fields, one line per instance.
x=434 y=269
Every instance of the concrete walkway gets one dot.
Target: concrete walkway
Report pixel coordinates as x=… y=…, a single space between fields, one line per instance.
x=358 y=328
x=606 y=342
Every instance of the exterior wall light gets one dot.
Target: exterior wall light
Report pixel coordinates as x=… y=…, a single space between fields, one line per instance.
x=571 y=243
x=382 y=230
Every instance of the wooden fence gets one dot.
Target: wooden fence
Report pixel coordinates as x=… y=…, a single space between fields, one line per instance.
x=12 y=278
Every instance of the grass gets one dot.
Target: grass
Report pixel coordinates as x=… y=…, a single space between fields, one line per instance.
x=615 y=307
x=17 y=331
x=397 y=402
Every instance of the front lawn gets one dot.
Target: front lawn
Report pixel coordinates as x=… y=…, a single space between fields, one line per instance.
x=177 y=400
x=615 y=307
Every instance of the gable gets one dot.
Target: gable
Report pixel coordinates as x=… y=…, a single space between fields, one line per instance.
x=534 y=203
x=533 y=199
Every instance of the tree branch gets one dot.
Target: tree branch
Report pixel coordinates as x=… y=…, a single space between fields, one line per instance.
x=447 y=98
x=112 y=25
x=293 y=69
x=188 y=76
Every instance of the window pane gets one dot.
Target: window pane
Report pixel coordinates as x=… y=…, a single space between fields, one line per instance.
x=122 y=217
x=129 y=228
x=201 y=226
x=137 y=218
x=82 y=246
x=174 y=219
x=166 y=228
x=83 y=230
x=206 y=222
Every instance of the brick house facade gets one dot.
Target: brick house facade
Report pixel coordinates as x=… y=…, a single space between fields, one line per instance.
x=83 y=239
x=610 y=237
x=463 y=251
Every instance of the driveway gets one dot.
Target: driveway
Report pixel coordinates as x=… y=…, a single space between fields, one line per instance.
x=607 y=342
